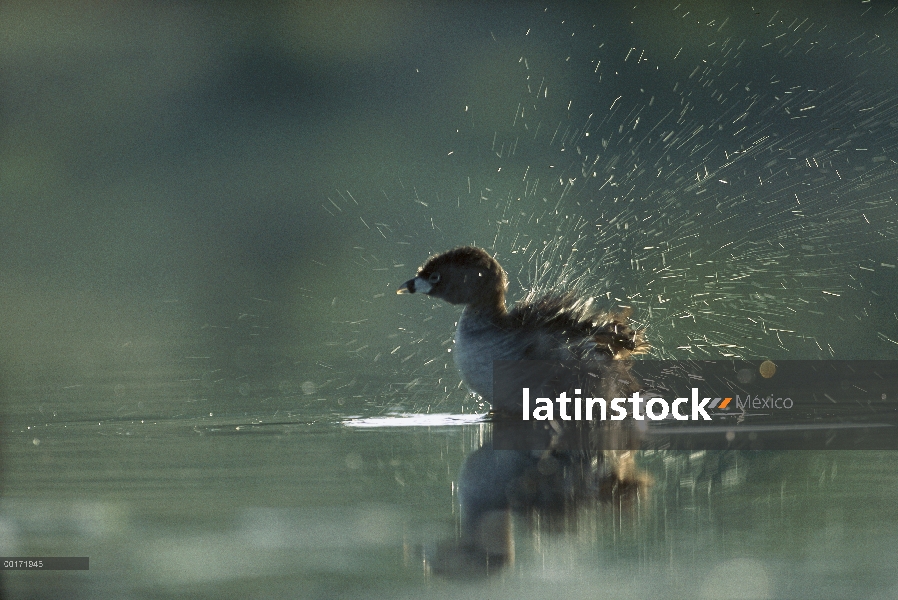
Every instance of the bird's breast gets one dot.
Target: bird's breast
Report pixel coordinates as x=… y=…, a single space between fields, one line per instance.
x=479 y=342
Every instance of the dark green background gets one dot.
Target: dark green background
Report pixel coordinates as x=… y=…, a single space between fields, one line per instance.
x=248 y=183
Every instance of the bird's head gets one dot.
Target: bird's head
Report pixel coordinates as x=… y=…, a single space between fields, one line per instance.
x=465 y=275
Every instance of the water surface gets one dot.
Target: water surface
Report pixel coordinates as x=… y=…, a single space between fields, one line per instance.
x=319 y=508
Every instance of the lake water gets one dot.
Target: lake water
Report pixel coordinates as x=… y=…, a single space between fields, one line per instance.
x=209 y=387
x=319 y=507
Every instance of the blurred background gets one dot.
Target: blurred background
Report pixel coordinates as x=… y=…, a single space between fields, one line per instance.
x=206 y=207
x=250 y=182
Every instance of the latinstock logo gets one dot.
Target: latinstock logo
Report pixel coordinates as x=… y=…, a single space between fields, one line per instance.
x=577 y=408
x=698 y=404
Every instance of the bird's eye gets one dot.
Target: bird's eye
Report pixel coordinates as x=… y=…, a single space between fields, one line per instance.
x=434 y=278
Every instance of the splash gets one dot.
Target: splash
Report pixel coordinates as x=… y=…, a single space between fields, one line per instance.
x=731 y=177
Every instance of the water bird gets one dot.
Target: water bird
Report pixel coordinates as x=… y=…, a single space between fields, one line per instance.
x=558 y=326
x=494 y=483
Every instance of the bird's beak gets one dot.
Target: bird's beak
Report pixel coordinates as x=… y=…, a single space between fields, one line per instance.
x=415 y=286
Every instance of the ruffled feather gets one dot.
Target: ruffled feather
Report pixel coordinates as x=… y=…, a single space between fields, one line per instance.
x=577 y=320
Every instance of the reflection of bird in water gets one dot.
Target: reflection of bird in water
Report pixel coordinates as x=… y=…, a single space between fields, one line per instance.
x=562 y=327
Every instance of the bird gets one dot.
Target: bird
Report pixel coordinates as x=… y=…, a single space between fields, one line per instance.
x=493 y=481
x=557 y=326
